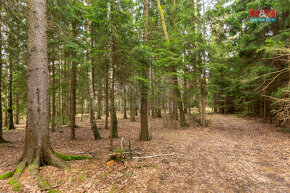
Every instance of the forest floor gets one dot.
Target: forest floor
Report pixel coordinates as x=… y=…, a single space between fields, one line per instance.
x=230 y=155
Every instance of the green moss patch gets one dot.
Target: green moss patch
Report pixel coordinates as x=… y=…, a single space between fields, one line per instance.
x=7 y=175
x=71 y=157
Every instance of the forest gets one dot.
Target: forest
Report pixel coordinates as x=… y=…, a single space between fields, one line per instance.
x=144 y=96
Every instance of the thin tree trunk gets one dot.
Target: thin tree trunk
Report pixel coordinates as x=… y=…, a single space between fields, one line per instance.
x=203 y=79
x=92 y=110
x=265 y=108
x=99 y=113
x=133 y=104
x=107 y=97
x=82 y=110
x=17 y=109
x=64 y=93
x=144 y=135
x=114 y=126
x=113 y=131
x=59 y=85
x=153 y=100
x=91 y=83
x=125 y=103
x=73 y=86
x=10 y=97
x=180 y=105
x=1 y=115
x=53 y=97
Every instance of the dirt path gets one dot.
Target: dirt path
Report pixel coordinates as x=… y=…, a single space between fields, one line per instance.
x=231 y=155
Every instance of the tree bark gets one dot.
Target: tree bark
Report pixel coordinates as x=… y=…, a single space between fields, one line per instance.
x=1 y=115
x=99 y=112
x=107 y=97
x=73 y=86
x=17 y=109
x=37 y=149
x=6 y=96
x=133 y=104
x=203 y=78
x=10 y=97
x=114 y=124
x=125 y=103
x=91 y=83
x=144 y=134
x=53 y=97
x=112 y=47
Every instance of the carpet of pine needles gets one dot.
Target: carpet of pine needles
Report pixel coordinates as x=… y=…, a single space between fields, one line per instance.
x=230 y=155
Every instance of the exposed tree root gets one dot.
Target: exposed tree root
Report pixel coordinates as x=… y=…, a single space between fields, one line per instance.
x=16 y=175
x=3 y=140
x=33 y=165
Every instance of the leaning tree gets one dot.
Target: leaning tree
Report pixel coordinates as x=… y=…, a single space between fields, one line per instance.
x=37 y=150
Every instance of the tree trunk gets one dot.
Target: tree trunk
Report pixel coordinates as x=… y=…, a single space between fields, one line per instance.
x=73 y=86
x=82 y=111
x=59 y=84
x=265 y=108
x=203 y=81
x=6 y=96
x=112 y=47
x=17 y=109
x=99 y=113
x=1 y=116
x=10 y=102
x=114 y=126
x=125 y=103
x=133 y=104
x=144 y=135
x=91 y=83
x=179 y=103
x=107 y=97
x=37 y=149
x=153 y=100
x=175 y=91
x=53 y=97
x=64 y=94
x=92 y=110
